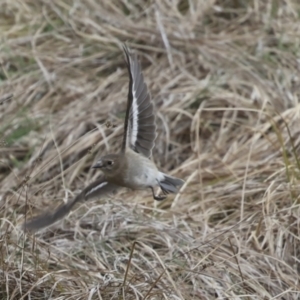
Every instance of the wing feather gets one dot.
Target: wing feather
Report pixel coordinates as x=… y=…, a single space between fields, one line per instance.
x=139 y=127
x=98 y=188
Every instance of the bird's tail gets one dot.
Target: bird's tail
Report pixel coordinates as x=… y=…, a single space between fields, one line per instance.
x=169 y=184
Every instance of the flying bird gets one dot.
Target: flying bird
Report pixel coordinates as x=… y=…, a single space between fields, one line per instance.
x=132 y=167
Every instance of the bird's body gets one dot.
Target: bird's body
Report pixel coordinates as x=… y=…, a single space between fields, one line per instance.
x=140 y=175
x=132 y=166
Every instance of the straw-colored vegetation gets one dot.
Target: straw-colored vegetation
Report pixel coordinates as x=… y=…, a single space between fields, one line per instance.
x=224 y=76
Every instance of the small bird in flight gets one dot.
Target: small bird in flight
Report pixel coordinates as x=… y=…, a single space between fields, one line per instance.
x=132 y=166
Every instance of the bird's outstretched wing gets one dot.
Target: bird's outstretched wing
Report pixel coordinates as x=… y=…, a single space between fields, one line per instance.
x=98 y=188
x=139 y=126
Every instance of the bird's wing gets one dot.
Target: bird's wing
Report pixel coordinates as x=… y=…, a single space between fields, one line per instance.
x=98 y=188
x=139 y=126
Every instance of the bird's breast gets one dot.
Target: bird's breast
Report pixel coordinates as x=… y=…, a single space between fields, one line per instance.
x=142 y=173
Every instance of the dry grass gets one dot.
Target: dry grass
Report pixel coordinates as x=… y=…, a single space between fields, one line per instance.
x=224 y=76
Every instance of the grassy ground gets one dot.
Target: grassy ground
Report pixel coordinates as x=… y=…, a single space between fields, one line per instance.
x=224 y=76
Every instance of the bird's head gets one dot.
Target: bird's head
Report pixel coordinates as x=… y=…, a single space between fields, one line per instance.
x=109 y=164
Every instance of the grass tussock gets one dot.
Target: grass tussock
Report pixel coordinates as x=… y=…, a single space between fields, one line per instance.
x=224 y=76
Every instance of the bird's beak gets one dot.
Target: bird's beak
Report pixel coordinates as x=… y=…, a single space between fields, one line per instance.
x=98 y=164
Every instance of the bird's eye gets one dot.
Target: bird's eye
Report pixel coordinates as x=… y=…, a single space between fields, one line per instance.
x=110 y=162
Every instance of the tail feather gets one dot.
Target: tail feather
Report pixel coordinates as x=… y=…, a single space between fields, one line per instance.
x=170 y=184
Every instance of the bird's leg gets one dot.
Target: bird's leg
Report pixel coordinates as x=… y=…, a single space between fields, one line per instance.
x=158 y=198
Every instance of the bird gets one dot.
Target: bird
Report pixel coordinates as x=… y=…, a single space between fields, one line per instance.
x=132 y=166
